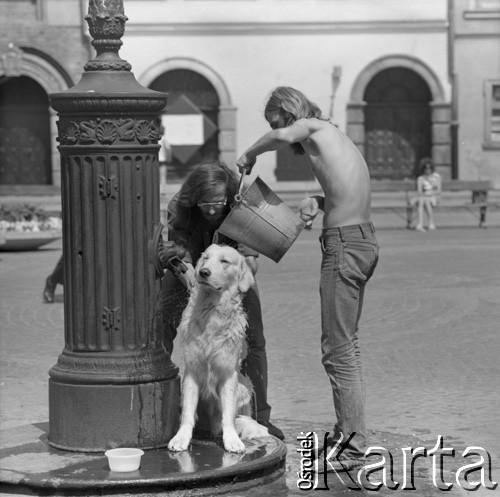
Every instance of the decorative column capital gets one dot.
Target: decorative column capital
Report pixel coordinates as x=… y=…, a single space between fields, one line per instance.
x=106 y=20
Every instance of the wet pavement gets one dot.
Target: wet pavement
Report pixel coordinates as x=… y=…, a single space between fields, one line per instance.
x=29 y=465
x=429 y=338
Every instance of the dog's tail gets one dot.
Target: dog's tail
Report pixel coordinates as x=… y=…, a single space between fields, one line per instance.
x=248 y=428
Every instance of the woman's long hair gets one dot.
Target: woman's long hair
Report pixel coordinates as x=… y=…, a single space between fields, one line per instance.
x=199 y=183
x=426 y=161
x=291 y=104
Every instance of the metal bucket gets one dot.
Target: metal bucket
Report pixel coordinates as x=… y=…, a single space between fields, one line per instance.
x=260 y=220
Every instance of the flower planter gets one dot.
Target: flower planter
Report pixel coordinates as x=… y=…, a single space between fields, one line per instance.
x=27 y=227
x=11 y=241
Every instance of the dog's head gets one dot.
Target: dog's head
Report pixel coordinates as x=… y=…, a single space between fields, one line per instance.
x=222 y=268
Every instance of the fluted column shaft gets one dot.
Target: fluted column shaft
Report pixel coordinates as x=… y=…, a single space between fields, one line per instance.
x=110 y=199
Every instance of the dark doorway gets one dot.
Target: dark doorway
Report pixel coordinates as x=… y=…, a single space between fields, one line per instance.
x=397 y=123
x=292 y=167
x=199 y=91
x=25 y=151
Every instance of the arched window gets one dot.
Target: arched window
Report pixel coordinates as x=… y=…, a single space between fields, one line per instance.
x=200 y=92
x=25 y=151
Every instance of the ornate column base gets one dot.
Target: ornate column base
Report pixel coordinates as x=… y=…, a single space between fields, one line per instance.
x=94 y=418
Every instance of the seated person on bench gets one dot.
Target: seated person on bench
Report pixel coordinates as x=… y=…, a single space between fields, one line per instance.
x=428 y=192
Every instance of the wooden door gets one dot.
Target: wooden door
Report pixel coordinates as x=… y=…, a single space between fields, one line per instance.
x=25 y=152
x=397 y=124
x=397 y=136
x=291 y=167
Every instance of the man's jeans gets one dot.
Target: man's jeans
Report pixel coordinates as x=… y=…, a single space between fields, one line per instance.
x=350 y=255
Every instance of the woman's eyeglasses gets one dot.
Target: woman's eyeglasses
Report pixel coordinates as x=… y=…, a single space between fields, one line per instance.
x=216 y=205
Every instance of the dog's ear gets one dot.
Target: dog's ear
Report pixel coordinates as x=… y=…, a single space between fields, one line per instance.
x=199 y=263
x=246 y=279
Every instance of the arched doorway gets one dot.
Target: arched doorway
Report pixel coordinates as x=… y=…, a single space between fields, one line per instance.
x=187 y=87
x=397 y=123
x=25 y=151
x=292 y=167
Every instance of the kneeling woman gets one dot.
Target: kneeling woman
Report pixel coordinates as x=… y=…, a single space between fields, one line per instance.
x=194 y=216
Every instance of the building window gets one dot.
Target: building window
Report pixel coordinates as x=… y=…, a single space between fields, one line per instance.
x=485 y=5
x=492 y=102
x=482 y=10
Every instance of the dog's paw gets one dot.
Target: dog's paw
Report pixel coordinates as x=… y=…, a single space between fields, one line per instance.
x=232 y=443
x=178 y=444
x=181 y=440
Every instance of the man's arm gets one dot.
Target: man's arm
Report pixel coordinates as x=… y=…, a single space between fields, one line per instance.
x=273 y=140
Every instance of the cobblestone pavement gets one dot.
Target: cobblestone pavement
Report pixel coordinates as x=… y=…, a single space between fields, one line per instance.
x=429 y=335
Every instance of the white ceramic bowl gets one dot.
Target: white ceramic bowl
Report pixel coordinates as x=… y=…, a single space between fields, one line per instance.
x=124 y=460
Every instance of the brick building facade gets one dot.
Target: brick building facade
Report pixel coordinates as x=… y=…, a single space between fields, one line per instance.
x=386 y=72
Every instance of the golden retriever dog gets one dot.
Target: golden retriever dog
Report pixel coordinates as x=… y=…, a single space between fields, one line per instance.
x=213 y=338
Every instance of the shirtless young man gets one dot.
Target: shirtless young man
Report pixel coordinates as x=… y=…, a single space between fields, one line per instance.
x=349 y=247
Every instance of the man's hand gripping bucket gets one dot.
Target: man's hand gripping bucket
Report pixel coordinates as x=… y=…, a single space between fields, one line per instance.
x=260 y=220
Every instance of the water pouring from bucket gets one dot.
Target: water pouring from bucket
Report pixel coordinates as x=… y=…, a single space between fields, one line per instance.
x=260 y=220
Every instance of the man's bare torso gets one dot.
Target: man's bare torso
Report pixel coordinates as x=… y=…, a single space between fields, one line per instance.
x=342 y=173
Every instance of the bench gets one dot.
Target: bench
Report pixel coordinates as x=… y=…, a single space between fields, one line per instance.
x=402 y=192
x=478 y=205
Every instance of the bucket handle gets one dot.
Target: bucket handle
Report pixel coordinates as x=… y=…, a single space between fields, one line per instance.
x=238 y=197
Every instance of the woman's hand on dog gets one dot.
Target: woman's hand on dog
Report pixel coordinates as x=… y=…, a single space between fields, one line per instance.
x=252 y=263
x=188 y=277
